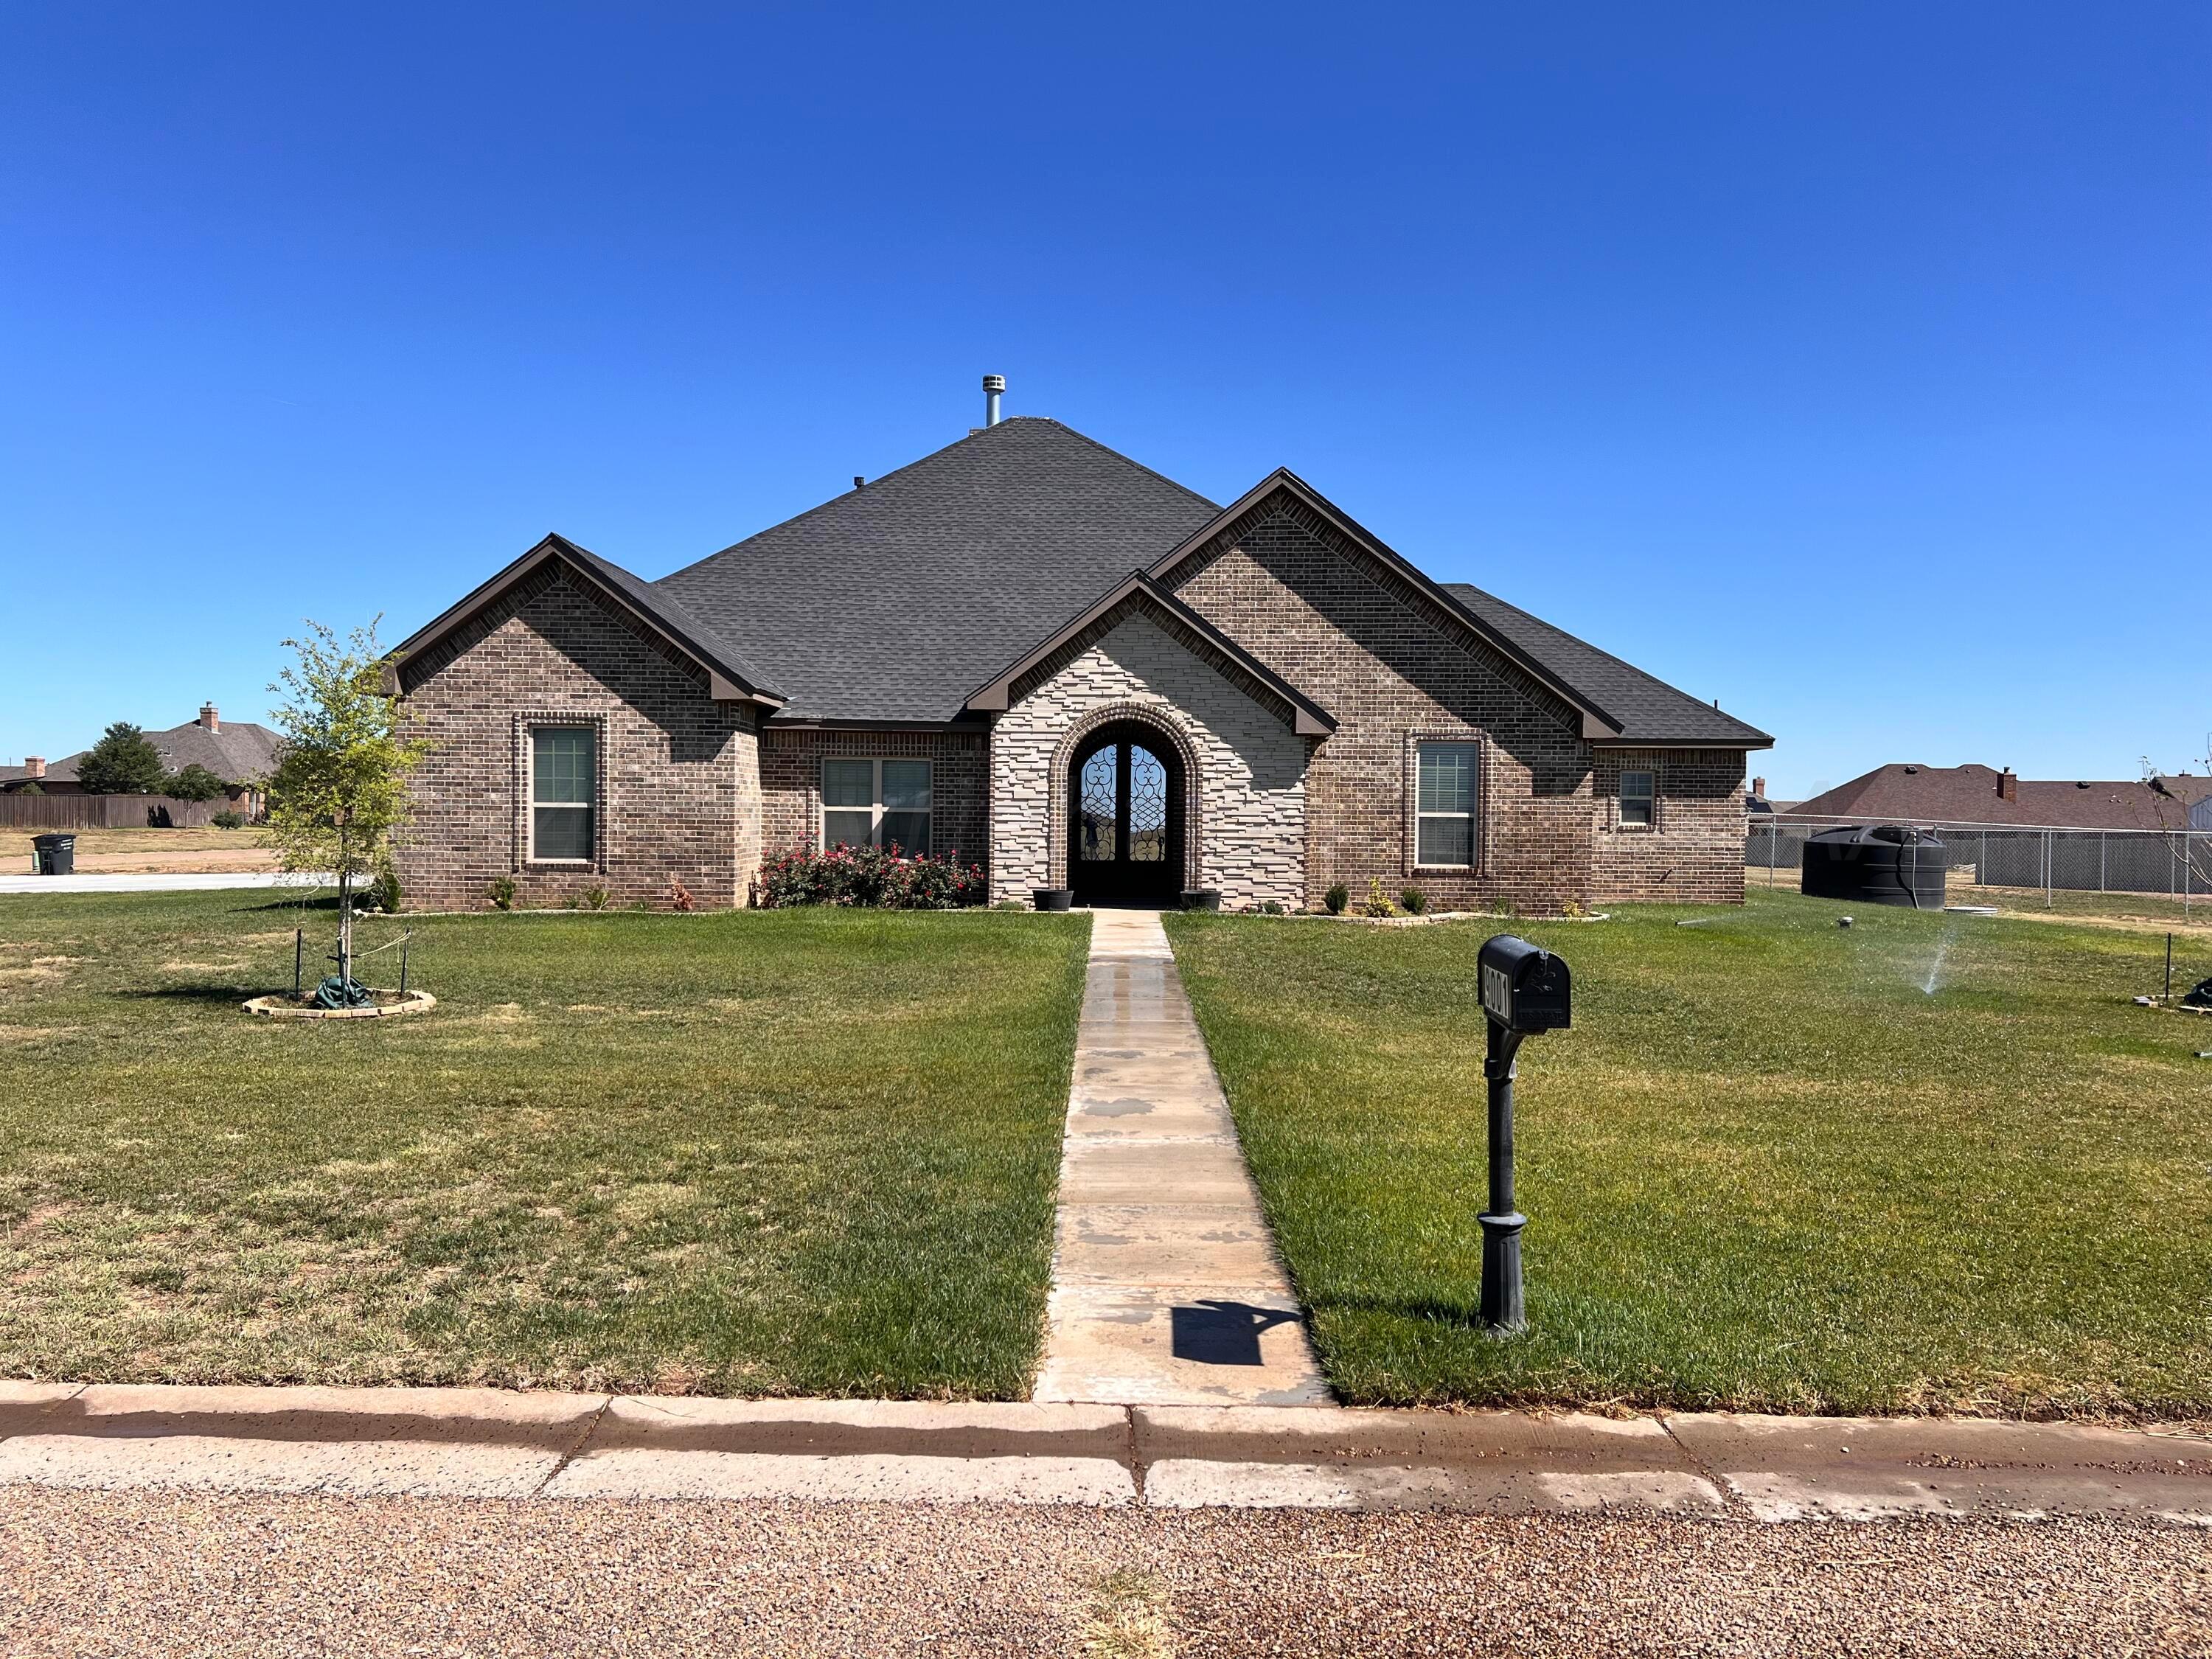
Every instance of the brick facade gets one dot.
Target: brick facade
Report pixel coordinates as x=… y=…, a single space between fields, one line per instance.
x=679 y=776
x=1694 y=850
x=791 y=780
x=1244 y=814
x=1393 y=667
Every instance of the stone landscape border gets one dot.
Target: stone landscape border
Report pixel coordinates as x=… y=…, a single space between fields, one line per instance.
x=283 y=1006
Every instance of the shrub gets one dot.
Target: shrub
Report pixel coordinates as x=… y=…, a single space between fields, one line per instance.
x=595 y=899
x=679 y=896
x=195 y=782
x=1336 y=898
x=1377 y=902
x=877 y=877
x=1270 y=907
x=1413 y=901
x=228 y=820
x=383 y=886
x=502 y=892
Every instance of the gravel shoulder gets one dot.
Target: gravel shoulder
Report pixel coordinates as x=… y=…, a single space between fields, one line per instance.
x=149 y=1573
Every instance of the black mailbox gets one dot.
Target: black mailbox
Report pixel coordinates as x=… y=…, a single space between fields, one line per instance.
x=1525 y=989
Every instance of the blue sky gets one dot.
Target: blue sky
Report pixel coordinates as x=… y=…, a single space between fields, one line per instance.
x=1853 y=365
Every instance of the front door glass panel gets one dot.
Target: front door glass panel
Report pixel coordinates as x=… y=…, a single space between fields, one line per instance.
x=1148 y=807
x=1099 y=796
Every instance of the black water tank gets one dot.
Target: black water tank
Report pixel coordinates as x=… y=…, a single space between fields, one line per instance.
x=1883 y=864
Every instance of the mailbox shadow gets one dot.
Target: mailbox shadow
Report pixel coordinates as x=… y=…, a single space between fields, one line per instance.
x=1216 y=1333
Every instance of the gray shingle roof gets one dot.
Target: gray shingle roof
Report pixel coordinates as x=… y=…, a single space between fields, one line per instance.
x=894 y=601
x=1649 y=709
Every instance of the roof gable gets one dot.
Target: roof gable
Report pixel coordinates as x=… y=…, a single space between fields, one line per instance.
x=730 y=678
x=1140 y=592
x=1595 y=721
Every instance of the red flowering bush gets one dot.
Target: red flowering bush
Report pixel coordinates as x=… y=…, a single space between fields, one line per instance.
x=880 y=876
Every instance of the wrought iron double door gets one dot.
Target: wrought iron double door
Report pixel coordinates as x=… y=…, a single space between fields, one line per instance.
x=1126 y=820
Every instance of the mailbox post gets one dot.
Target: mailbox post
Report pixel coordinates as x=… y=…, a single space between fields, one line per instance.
x=1525 y=991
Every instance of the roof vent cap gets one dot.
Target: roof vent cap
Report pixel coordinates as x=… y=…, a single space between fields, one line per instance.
x=993 y=386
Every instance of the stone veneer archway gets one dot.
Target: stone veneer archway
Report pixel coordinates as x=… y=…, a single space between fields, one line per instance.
x=1153 y=718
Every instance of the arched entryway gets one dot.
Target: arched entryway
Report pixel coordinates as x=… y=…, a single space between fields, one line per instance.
x=1125 y=818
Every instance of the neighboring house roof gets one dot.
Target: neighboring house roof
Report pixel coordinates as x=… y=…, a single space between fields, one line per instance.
x=894 y=601
x=240 y=753
x=731 y=678
x=1308 y=718
x=1647 y=710
x=1904 y=792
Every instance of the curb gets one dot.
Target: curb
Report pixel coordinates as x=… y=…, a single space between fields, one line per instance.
x=486 y=1443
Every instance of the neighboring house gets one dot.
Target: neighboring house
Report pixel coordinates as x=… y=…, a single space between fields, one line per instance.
x=1977 y=795
x=1030 y=650
x=241 y=753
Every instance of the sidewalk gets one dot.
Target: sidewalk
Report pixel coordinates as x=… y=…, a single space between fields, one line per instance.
x=1166 y=1289
x=482 y=1442
x=149 y=881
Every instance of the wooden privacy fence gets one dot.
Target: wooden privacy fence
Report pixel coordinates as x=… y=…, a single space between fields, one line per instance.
x=20 y=812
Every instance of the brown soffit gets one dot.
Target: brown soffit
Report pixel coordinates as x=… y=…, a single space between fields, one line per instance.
x=1308 y=718
x=725 y=682
x=1596 y=724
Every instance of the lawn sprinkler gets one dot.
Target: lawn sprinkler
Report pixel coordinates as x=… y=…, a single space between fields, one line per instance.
x=1525 y=991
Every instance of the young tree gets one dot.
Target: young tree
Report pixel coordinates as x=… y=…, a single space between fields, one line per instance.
x=337 y=800
x=123 y=762
x=195 y=782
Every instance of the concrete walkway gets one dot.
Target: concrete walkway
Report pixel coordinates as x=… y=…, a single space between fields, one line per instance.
x=149 y=881
x=1166 y=1289
x=485 y=1443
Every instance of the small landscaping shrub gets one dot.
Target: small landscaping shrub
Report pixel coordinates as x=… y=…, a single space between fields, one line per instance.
x=879 y=876
x=1010 y=904
x=228 y=820
x=1336 y=898
x=1413 y=901
x=384 y=888
x=1270 y=907
x=1377 y=902
x=679 y=896
x=502 y=893
x=593 y=898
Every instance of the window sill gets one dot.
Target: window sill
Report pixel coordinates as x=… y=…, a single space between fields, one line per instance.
x=560 y=864
x=1442 y=870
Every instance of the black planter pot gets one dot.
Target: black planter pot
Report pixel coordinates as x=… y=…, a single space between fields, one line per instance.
x=1201 y=898
x=1054 y=898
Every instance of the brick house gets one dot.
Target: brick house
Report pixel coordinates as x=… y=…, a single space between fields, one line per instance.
x=1030 y=650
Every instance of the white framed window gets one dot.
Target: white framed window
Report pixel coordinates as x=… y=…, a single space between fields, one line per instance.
x=564 y=791
x=1446 y=790
x=876 y=803
x=1639 y=800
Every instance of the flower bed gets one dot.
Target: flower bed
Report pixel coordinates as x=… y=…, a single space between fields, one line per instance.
x=881 y=877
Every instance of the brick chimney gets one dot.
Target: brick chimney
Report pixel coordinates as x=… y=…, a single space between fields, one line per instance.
x=210 y=719
x=2007 y=785
x=35 y=766
x=1758 y=788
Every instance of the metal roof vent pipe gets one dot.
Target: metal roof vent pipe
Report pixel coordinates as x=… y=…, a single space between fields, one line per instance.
x=993 y=386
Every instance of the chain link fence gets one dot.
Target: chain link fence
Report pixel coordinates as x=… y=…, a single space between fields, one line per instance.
x=2175 y=864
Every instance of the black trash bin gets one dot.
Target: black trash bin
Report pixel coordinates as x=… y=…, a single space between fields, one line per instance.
x=54 y=855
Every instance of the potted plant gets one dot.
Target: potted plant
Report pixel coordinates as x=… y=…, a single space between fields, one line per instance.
x=1201 y=898
x=1054 y=898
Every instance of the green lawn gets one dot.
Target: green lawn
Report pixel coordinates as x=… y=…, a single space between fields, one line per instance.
x=1769 y=1168
x=798 y=1151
